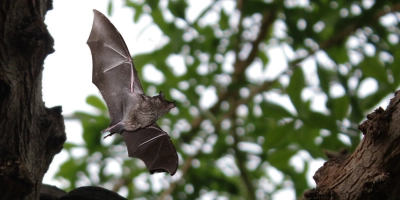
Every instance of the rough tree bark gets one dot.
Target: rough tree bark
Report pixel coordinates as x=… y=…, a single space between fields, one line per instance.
x=30 y=133
x=372 y=171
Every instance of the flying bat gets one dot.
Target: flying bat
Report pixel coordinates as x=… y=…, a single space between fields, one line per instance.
x=133 y=114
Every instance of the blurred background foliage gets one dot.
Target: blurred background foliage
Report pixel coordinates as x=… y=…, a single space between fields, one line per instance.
x=245 y=114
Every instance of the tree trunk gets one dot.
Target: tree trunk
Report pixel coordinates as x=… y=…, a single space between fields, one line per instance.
x=372 y=171
x=30 y=133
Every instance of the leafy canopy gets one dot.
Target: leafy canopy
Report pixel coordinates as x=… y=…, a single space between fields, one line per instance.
x=262 y=86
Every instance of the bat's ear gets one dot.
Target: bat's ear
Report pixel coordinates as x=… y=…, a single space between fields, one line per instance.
x=161 y=94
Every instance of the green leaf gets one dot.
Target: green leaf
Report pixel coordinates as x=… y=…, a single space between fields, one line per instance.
x=178 y=8
x=251 y=7
x=264 y=58
x=338 y=54
x=137 y=7
x=224 y=20
x=274 y=110
x=296 y=86
x=320 y=121
x=306 y=138
x=325 y=77
x=158 y=19
x=277 y=136
x=340 y=107
x=395 y=67
x=153 y=4
x=96 y=102
x=373 y=67
x=69 y=169
x=280 y=158
x=109 y=7
x=92 y=127
x=332 y=142
x=68 y=145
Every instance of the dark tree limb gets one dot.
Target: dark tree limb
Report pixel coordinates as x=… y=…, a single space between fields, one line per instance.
x=93 y=193
x=30 y=133
x=372 y=171
x=51 y=192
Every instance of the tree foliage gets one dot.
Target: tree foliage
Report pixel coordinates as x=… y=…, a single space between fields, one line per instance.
x=339 y=55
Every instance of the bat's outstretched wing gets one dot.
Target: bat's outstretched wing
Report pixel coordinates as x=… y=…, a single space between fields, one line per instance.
x=113 y=70
x=153 y=146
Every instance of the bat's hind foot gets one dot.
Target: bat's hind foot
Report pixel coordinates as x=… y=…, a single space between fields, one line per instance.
x=117 y=128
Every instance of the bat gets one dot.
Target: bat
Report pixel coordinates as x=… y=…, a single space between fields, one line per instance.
x=133 y=114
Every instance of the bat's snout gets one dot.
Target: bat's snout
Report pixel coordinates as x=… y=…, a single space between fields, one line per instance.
x=171 y=105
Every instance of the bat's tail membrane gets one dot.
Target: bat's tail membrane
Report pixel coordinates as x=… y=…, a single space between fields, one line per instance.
x=154 y=147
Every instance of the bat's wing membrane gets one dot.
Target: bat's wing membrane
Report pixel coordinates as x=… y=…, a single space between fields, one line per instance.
x=153 y=146
x=113 y=70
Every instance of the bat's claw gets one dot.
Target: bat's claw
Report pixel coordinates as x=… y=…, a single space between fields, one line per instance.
x=108 y=135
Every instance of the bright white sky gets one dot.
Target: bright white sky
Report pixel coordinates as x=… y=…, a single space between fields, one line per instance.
x=70 y=23
x=67 y=74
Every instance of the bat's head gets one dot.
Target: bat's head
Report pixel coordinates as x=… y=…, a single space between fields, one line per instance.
x=165 y=104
